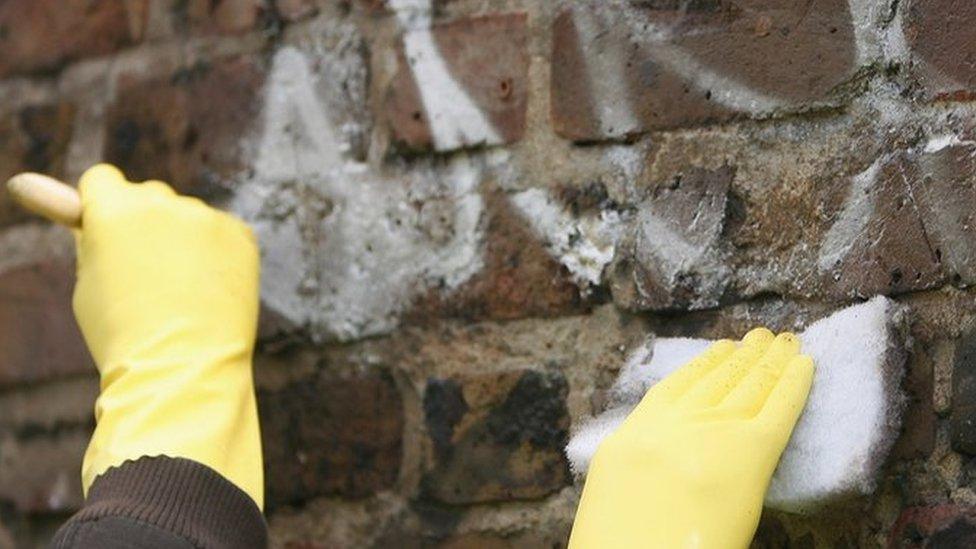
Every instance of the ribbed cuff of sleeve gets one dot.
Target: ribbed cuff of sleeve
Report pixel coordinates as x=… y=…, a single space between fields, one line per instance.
x=180 y=496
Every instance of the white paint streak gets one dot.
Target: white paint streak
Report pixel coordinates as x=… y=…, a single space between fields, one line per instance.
x=455 y=121
x=607 y=77
x=668 y=249
x=853 y=219
x=585 y=245
x=940 y=142
x=866 y=17
x=726 y=91
x=346 y=249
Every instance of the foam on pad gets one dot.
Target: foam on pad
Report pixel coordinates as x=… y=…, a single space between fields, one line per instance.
x=851 y=419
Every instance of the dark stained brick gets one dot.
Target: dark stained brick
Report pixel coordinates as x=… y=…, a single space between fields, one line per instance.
x=614 y=66
x=496 y=437
x=339 y=433
x=488 y=58
x=945 y=526
x=962 y=421
x=185 y=129
x=672 y=258
x=38 y=336
x=34 y=138
x=917 y=438
x=41 y=35
x=221 y=16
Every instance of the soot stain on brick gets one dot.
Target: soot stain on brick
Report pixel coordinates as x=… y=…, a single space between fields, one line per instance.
x=444 y=406
x=439 y=521
x=125 y=136
x=534 y=411
x=960 y=534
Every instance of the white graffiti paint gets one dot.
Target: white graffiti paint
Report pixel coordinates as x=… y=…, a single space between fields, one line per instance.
x=853 y=220
x=455 y=121
x=941 y=142
x=866 y=17
x=606 y=75
x=725 y=90
x=585 y=245
x=346 y=249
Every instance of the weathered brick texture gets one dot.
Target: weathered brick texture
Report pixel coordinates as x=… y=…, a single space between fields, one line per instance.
x=475 y=94
x=38 y=336
x=471 y=212
x=184 y=128
x=630 y=67
x=334 y=433
x=32 y=138
x=41 y=35
x=939 y=44
x=496 y=437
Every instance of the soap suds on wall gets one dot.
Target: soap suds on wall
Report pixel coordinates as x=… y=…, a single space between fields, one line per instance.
x=585 y=245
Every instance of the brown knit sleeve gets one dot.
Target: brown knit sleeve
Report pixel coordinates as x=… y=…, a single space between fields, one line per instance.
x=163 y=502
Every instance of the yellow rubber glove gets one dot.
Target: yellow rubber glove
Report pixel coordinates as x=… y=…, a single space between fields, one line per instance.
x=167 y=299
x=690 y=466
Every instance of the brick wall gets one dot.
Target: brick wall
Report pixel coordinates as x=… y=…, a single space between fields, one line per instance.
x=472 y=210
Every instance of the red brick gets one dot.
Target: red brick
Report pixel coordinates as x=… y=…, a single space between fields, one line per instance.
x=186 y=128
x=939 y=526
x=372 y=6
x=221 y=16
x=496 y=437
x=34 y=138
x=38 y=335
x=520 y=277
x=488 y=58
x=40 y=35
x=338 y=433
x=611 y=76
x=892 y=253
x=941 y=36
x=295 y=10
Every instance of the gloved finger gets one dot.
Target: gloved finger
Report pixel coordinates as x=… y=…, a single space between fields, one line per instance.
x=157 y=188
x=748 y=396
x=675 y=385
x=101 y=185
x=714 y=385
x=241 y=228
x=788 y=398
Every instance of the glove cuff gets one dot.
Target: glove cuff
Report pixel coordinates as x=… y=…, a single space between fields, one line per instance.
x=180 y=496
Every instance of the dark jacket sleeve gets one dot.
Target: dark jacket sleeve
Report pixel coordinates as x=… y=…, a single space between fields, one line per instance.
x=163 y=502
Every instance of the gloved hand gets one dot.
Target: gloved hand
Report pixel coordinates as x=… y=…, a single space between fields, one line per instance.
x=690 y=466
x=167 y=300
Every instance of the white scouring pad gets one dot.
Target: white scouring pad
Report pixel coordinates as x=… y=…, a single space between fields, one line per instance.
x=851 y=419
